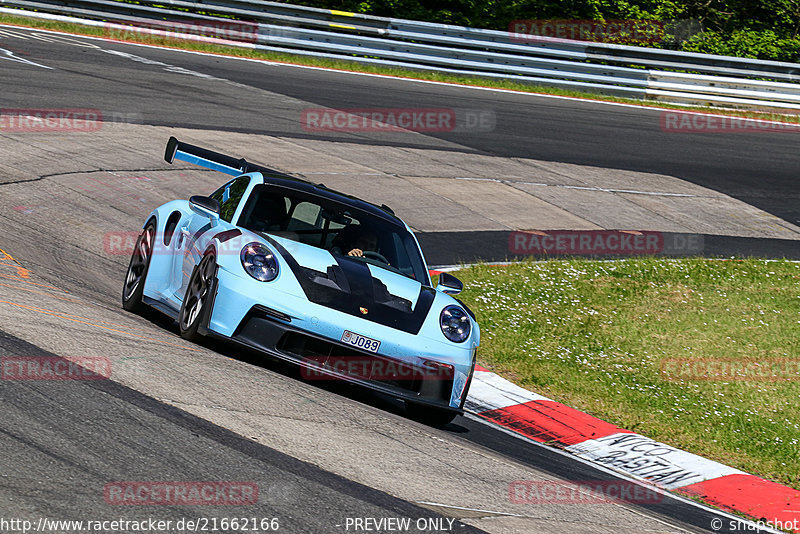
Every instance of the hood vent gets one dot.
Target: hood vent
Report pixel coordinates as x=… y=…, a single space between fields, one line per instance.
x=349 y=286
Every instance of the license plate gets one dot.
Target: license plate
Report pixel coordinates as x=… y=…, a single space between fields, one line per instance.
x=362 y=342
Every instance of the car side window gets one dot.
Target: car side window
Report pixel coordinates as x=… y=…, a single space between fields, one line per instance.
x=305 y=216
x=229 y=196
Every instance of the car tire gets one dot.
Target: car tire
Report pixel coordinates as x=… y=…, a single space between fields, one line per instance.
x=133 y=288
x=198 y=297
x=429 y=415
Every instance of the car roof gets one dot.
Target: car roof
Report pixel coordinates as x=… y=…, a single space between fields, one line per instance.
x=320 y=190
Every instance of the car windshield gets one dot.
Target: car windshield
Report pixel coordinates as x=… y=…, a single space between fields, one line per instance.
x=336 y=227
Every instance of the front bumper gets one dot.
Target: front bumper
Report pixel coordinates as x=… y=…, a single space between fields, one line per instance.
x=270 y=331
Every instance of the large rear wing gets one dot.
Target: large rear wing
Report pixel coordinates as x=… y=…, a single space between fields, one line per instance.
x=236 y=167
x=213 y=160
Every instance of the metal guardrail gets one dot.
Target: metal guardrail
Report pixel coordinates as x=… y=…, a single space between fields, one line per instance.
x=596 y=67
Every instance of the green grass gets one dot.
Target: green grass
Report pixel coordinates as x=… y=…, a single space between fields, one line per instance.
x=355 y=66
x=593 y=334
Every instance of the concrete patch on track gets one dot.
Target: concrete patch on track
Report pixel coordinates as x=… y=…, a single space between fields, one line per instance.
x=432 y=189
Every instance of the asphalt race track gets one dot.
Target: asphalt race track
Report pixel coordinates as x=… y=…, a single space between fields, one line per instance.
x=320 y=454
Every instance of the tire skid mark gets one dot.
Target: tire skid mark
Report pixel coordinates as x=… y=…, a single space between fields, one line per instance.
x=78 y=319
x=22 y=272
x=6 y=259
x=28 y=282
x=38 y=292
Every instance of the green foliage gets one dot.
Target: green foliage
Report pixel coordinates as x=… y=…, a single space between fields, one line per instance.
x=763 y=29
x=758 y=44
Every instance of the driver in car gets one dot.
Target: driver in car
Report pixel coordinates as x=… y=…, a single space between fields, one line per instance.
x=355 y=240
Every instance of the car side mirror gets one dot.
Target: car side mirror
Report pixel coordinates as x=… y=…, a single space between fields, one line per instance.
x=206 y=204
x=449 y=284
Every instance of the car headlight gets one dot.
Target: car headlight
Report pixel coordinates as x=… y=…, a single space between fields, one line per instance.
x=259 y=262
x=455 y=324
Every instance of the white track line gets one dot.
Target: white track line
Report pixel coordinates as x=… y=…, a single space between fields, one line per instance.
x=372 y=75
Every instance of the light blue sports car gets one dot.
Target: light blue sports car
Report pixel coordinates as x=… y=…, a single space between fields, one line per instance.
x=305 y=274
